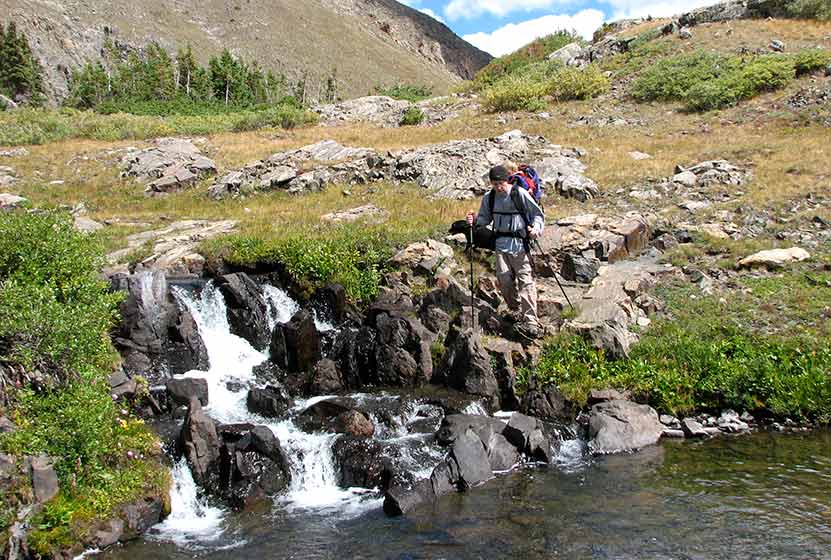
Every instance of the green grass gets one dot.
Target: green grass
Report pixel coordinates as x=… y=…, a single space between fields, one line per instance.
x=40 y=126
x=412 y=116
x=761 y=348
x=406 y=92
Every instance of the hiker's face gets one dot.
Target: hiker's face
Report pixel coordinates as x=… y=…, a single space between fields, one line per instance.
x=502 y=186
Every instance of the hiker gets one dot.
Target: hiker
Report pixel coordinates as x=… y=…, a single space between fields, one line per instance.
x=516 y=220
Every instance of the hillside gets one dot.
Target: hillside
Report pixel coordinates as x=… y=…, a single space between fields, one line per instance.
x=366 y=42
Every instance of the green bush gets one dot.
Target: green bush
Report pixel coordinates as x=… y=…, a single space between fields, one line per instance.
x=412 y=116
x=572 y=83
x=406 y=92
x=764 y=73
x=55 y=318
x=516 y=63
x=810 y=9
x=714 y=355
x=55 y=312
x=514 y=94
x=669 y=79
x=811 y=60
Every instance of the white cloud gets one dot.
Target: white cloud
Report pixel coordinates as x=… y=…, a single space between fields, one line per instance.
x=510 y=37
x=469 y=9
x=432 y=14
x=624 y=9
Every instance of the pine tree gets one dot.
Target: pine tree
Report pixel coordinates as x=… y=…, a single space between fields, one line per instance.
x=15 y=63
x=186 y=67
x=3 y=62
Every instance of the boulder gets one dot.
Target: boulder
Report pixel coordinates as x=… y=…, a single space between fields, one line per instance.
x=359 y=463
x=578 y=187
x=502 y=455
x=271 y=401
x=468 y=461
x=603 y=395
x=580 y=268
x=730 y=422
x=401 y=348
x=200 y=444
x=247 y=309
x=546 y=403
x=528 y=435
x=368 y=213
x=295 y=346
x=11 y=201
x=693 y=429
x=122 y=386
x=326 y=378
x=331 y=302
x=321 y=414
x=253 y=466
x=400 y=500
x=775 y=258
x=169 y=165
x=467 y=367
x=454 y=425
x=353 y=423
x=422 y=252
x=567 y=53
x=184 y=389
x=44 y=478
x=618 y=426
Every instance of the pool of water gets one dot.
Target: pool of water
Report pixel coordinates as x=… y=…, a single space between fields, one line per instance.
x=763 y=496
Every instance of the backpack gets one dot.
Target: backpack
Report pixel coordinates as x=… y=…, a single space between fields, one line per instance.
x=528 y=178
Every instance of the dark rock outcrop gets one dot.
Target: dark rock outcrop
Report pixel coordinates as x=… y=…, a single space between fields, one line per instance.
x=358 y=462
x=326 y=378
x=182 y=390
x=200 y=444
x=271 y=401
x=467 y=367
x=247 y=310
x=155 y=338
x=546 y=403
x=353 y=423
x=295 y=346
x=253 y=467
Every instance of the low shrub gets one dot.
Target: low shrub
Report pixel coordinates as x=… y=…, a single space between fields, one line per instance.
x=412 y=116
x=811 y=60
x=574 y=84
x=514 y=94
x=407 y=92
x=669 y=79
x=764 y=73
x=810 y=9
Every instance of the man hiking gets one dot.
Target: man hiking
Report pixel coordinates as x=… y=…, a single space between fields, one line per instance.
x=516 y=220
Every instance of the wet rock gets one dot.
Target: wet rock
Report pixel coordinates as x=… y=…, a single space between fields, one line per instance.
x=140 y=515
x=44 y=478
x=528 y=435
x=546 y=402
x=436 y=320
x=730 y=422
x=271 y=401
x=617 y=426
x=246 y=308
x=402 y=353
x=669 y=421
x=454 y=425
x=400 y=500
x=326 y=378
x=295 y=346
x=108 y=533
x=321 y=414
x=468 y=461
x=200 y=444
x=331 y=302
x=467 y=366
x=182 y=390
x=358 y=461
x=775 y=258
x=155 y=338
x=501 y=453
x=353 y=423
x=253 y=465
x=693 y=429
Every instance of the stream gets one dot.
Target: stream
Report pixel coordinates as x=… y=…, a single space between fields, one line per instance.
x=759 y=496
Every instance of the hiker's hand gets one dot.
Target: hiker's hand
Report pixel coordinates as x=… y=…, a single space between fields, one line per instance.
x=470 y=218
x=533 y=232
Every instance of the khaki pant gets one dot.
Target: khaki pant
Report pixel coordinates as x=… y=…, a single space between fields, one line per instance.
x=516 y=282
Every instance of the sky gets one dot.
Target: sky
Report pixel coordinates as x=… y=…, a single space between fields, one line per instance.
x=502 y=26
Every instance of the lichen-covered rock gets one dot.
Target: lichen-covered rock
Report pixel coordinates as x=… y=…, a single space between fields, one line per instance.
x=171 y=164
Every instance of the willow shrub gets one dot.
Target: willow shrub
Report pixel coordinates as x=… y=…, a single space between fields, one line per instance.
x=572 y=83
x=514 y=94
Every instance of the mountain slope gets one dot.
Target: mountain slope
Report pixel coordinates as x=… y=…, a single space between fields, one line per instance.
x=366 y=42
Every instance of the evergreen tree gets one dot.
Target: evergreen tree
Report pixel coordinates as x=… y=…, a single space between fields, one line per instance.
x=186 y=68
x=20 y=72
x=3 y=62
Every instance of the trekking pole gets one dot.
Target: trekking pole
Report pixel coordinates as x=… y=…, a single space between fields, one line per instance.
x=470 y=257
x=555 y=277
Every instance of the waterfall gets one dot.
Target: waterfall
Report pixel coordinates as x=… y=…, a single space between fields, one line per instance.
x=314 y=476
x=192 y=520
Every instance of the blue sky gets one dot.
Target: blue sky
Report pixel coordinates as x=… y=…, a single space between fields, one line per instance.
x=502 y=26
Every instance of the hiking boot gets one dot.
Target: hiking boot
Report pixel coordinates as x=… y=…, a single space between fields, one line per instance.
x=529 y=331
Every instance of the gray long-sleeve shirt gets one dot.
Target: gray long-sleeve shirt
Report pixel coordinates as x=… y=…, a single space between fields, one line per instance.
x=507 y=218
